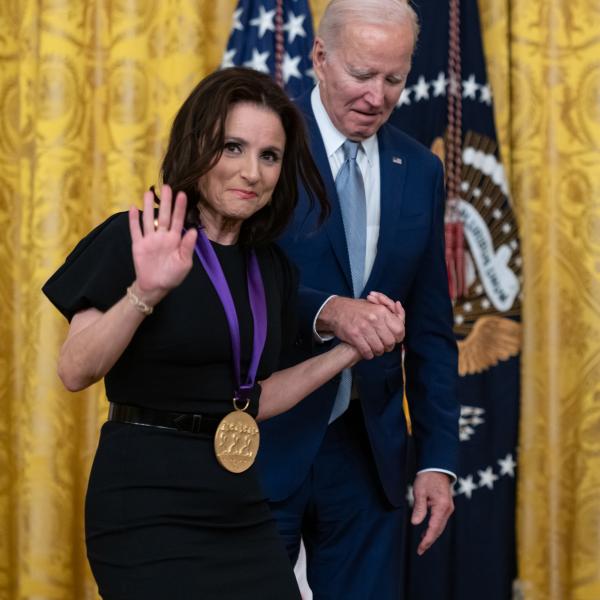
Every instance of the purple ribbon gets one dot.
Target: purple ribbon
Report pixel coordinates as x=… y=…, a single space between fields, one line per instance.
x=258 y=306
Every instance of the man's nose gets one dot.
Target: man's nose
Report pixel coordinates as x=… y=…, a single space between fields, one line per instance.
x=375 y=93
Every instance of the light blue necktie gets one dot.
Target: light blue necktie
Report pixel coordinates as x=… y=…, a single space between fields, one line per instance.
x=351 y=194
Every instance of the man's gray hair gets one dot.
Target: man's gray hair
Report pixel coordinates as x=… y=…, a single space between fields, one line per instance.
x=341 y=12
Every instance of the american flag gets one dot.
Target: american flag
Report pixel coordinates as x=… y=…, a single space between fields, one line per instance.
x=276 y=37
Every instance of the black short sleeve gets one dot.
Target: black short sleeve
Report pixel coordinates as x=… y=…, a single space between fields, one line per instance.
x=97 y=272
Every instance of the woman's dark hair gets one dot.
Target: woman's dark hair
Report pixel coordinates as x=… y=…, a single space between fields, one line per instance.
x=197 y=139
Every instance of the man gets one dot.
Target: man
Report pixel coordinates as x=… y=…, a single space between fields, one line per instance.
x=334 y=466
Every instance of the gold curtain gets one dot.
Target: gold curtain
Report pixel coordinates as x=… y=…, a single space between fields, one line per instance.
x=544 y=63
x=88 y=90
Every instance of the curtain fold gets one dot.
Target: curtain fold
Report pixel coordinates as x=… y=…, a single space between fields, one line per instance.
x=543 y=60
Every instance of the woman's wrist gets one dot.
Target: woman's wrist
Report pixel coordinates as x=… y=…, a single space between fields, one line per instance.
x=349 y=353
x=143 y=300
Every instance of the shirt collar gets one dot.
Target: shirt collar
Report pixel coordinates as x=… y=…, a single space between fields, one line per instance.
x=332 y=137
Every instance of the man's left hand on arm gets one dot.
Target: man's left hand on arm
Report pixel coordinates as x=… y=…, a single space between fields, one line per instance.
x=432 y=491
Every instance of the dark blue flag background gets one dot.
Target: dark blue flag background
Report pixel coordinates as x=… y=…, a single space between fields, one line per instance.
x=252 y=41
x=475 y=557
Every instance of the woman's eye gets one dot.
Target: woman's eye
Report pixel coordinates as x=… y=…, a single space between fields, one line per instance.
x=271 y=157
x=232 y=147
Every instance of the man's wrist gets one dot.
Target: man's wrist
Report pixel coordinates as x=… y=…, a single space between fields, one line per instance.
x=320 y=332
x=451 y=476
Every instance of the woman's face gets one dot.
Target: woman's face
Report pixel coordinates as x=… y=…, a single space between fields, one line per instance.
x=243 y=180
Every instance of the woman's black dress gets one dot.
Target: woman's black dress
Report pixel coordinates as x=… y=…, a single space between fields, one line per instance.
x=163 y=519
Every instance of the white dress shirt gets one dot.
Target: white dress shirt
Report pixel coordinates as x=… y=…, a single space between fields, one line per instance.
x=368 y=162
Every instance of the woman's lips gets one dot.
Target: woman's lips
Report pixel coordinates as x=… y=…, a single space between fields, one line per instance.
x=244 y=194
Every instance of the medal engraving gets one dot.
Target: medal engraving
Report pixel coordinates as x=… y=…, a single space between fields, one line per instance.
x=236 y=441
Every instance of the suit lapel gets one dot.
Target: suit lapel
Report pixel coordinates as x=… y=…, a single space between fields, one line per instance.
x=392 y=168
x=334 y=226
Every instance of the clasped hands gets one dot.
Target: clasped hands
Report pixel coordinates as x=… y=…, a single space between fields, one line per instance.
x=372 y=326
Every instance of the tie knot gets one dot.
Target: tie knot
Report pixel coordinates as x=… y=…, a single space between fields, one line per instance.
x=350 y=149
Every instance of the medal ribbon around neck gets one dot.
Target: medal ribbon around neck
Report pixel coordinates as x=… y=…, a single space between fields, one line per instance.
x=237 y=437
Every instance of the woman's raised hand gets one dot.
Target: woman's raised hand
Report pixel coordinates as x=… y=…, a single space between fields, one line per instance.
x=161 y=256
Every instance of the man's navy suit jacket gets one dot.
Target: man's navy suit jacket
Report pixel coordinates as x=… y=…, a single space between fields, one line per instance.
x=410 y=267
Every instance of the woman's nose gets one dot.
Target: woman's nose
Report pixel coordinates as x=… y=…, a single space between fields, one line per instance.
x=250 y=170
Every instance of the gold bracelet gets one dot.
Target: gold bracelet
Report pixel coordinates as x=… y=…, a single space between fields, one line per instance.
x=138 y=302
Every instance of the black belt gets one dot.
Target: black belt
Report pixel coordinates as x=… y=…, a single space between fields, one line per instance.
x=136 y=415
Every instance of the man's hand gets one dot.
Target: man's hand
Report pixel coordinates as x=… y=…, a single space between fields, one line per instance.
x=432 y=491
x=371 y=327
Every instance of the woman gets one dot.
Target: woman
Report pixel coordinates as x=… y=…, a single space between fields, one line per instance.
x=182 y=326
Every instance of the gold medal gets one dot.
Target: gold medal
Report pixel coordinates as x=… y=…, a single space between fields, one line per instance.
x=236 y=440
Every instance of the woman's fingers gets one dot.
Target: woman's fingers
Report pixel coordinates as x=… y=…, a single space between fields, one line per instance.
x=148 y=216
x=179 y=211
x=188 y=242
x=399 y=309
x=164 y=209
x=134 y=224
x=379 y=298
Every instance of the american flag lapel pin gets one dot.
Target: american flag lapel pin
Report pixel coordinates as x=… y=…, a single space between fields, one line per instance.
x=396 y=160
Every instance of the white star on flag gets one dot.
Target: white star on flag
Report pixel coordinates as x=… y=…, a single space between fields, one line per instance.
x=470 y=87
x=421 y=89
x=311 y=73
x=289 y=67
x=466 y=486
x=507 y=465
x=258 y=61
x=294 y=27
x=439 y=85
x=236 y=21
x=485 y=94
x=465 y=433
x=487 y=478
x=265 y=21
x=228 y=58
x=404 y=98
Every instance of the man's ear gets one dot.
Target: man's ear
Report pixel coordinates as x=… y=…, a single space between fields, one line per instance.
x=318 y=57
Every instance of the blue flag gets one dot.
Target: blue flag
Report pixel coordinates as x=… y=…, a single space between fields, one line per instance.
x=475 y=557
x=253 y=41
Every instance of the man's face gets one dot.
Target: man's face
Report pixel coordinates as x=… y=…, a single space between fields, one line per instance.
x=362 y=78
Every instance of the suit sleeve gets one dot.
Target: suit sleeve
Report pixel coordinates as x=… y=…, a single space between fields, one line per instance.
x=310 y=301
x=431 y=360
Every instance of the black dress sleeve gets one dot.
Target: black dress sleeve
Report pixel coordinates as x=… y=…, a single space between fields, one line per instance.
x=97 y=272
